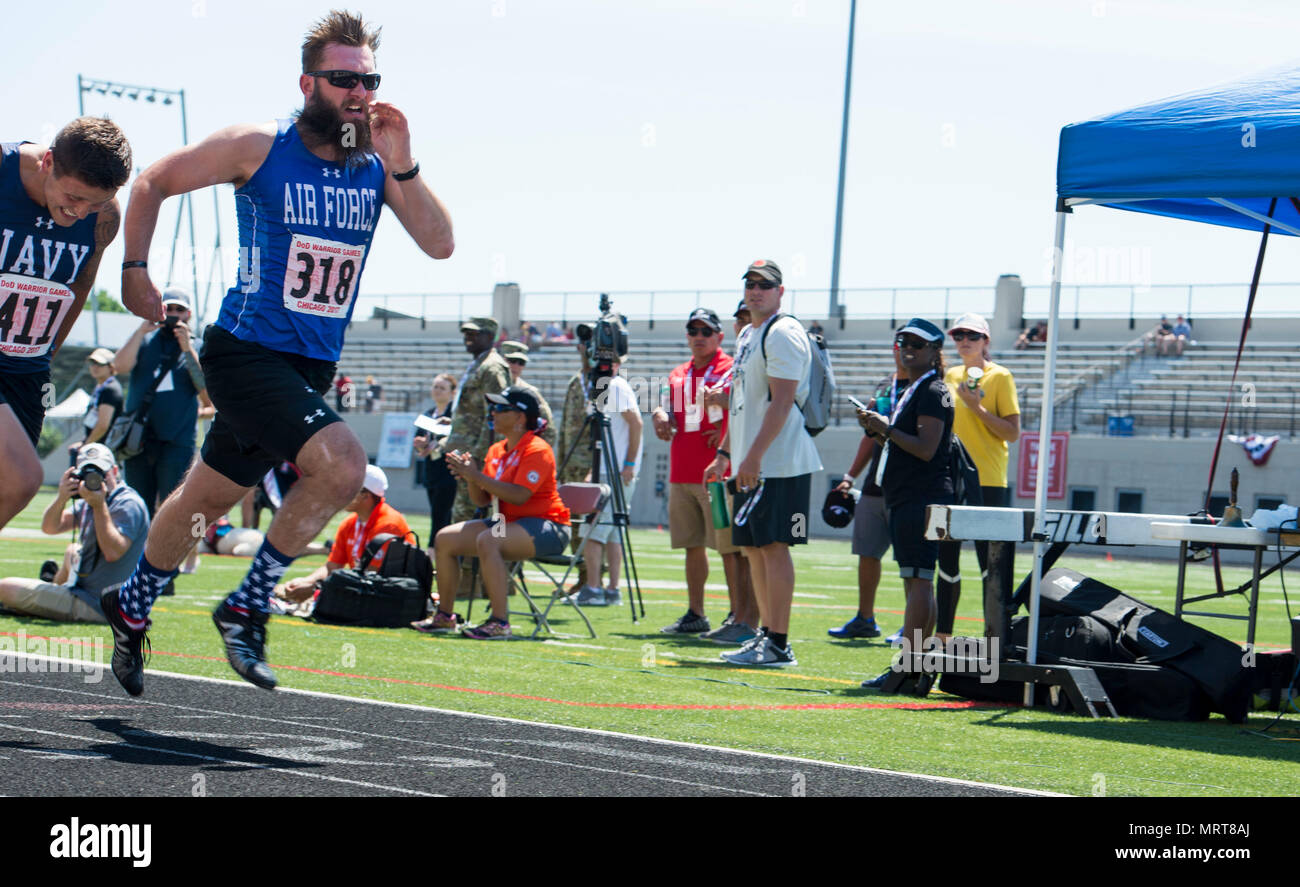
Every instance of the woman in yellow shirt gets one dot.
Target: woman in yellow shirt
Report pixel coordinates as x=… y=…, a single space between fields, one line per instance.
x=986 y=419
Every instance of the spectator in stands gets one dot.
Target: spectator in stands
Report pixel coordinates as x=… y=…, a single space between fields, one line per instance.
x=431 y=470
x=604 y=543
x=113 y=522
x=371 y=516
x=1035 y=335
x=695 y=430
x=775 y=459
x=817 y=329
x=986 y=419
x=1182 y=335
x=913 y=470
x=344 y=393
x=1162 y=336
x=742 y=612
x=105 y=400
x=516 y=355
x=555 y=334
x=529 y=334
x=162 y=358
x=870 y=517
x=374 y=394
x=519 y=473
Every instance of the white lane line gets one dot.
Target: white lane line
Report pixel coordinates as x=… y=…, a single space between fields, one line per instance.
x=441 y=745
x=407 y=706
x=216 y=760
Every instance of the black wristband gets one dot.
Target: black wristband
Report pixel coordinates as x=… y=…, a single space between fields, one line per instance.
x=408 y=175
x=722 y=452
x=128 y=265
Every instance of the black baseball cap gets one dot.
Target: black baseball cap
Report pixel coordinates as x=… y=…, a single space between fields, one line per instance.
x=741 y=308
x=706 y=315
x=838 y=508
x=521 y=399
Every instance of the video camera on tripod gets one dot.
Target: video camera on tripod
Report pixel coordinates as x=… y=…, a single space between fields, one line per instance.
x=606 y=341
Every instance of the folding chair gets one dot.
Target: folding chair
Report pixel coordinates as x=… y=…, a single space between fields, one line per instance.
x=581 y=500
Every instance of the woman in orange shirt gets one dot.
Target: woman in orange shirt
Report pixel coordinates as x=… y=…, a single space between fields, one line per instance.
x=519 y=472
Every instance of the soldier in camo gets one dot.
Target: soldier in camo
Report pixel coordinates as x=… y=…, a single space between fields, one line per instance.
x=516 y=355
x=486 y=374
x=579 y=464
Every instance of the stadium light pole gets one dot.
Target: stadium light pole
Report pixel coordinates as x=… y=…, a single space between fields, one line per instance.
x=152 y=95
x=844 y=151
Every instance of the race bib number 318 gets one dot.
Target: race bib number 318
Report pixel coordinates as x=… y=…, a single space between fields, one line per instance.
x=31 y=312
x=321 y=275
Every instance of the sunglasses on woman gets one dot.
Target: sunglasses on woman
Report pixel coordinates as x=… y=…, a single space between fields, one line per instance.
x=348 y=79
x=504 y=408
x=914 y=342
x=961 y=336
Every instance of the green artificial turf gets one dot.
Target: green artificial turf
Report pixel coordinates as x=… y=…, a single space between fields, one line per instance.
x=633 y=679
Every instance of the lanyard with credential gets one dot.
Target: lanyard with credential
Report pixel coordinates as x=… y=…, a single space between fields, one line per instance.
x=893 y=417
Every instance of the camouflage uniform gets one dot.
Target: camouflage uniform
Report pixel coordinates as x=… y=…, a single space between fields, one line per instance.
x=579 y=464
x=519 y=351
x=470 y=432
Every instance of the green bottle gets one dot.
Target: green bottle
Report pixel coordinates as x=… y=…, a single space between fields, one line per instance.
x=718 y=501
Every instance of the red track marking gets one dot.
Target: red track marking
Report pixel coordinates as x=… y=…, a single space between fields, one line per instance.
x=631 y=706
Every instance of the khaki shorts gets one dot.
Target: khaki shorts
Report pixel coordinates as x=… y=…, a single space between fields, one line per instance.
x=690 y=520
x=50 y=601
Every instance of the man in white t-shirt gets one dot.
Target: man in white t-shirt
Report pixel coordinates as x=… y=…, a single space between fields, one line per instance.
x=773 y=459
x=616 y=399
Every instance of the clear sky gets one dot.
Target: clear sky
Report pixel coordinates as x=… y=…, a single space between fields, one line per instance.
x=662 y=144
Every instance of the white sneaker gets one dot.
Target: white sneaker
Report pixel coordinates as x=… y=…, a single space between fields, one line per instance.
x=590 y=597
x=612 y=597
x=764 y=654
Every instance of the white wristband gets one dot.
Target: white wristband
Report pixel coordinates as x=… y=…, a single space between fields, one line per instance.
x=850 y=478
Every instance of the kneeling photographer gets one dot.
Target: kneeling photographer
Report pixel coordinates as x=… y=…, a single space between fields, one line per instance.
x=113 y=523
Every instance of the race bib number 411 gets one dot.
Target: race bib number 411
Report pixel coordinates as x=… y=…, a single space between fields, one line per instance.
x=321 y=275
x=31 y=312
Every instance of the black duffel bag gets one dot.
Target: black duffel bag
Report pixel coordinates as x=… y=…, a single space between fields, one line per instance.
x=365 y=598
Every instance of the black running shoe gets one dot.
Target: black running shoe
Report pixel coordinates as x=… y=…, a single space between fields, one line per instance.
x=128 y=645
x=245 y=639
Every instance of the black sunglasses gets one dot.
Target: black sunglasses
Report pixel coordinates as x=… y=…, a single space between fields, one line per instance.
x=700 y=331
x=505 y=408
x=961 y=336
x=907 y=341
x=348 y=79
x=761 y=284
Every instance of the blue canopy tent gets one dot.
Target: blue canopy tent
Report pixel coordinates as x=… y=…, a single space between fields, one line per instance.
x=1221 y=155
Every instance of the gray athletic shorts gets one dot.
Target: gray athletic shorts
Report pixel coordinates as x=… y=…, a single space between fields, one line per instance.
x=871 y=527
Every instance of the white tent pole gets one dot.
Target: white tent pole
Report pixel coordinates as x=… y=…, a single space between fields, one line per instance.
x=1045 y=435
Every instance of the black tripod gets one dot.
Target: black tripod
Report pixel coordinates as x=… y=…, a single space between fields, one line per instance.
x=602 y=443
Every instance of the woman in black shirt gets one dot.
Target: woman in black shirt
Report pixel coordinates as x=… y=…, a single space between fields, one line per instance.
x=913 y=469
x=439 y=483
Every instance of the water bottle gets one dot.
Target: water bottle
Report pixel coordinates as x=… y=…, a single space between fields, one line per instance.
x=718 y=502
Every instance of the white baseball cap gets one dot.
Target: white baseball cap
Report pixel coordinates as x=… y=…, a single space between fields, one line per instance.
x=376 y=481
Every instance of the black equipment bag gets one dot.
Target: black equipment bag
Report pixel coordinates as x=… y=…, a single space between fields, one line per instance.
x=965 y=476
x=1136 y=691
x=1070 y=637
x=126 y=436
x=386 y=598
x=1153 y=637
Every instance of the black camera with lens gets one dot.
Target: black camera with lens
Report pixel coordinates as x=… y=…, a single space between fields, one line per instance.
x=171 y=321
x=49 y=570
x=606 y=341
x=90 y=475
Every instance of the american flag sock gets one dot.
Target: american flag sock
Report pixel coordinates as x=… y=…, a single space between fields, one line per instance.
x=138 y=593
x=254 y=595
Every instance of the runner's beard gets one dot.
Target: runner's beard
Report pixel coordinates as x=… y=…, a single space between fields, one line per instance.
x=322 y=124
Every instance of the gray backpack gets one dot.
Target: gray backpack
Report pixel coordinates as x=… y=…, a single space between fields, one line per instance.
x=816 y=407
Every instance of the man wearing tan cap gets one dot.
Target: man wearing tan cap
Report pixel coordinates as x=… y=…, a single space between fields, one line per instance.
x=516 y=356
x=487 y=373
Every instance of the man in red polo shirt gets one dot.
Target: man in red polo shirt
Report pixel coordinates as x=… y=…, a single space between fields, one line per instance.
x=695 y=430
x=371 y=516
